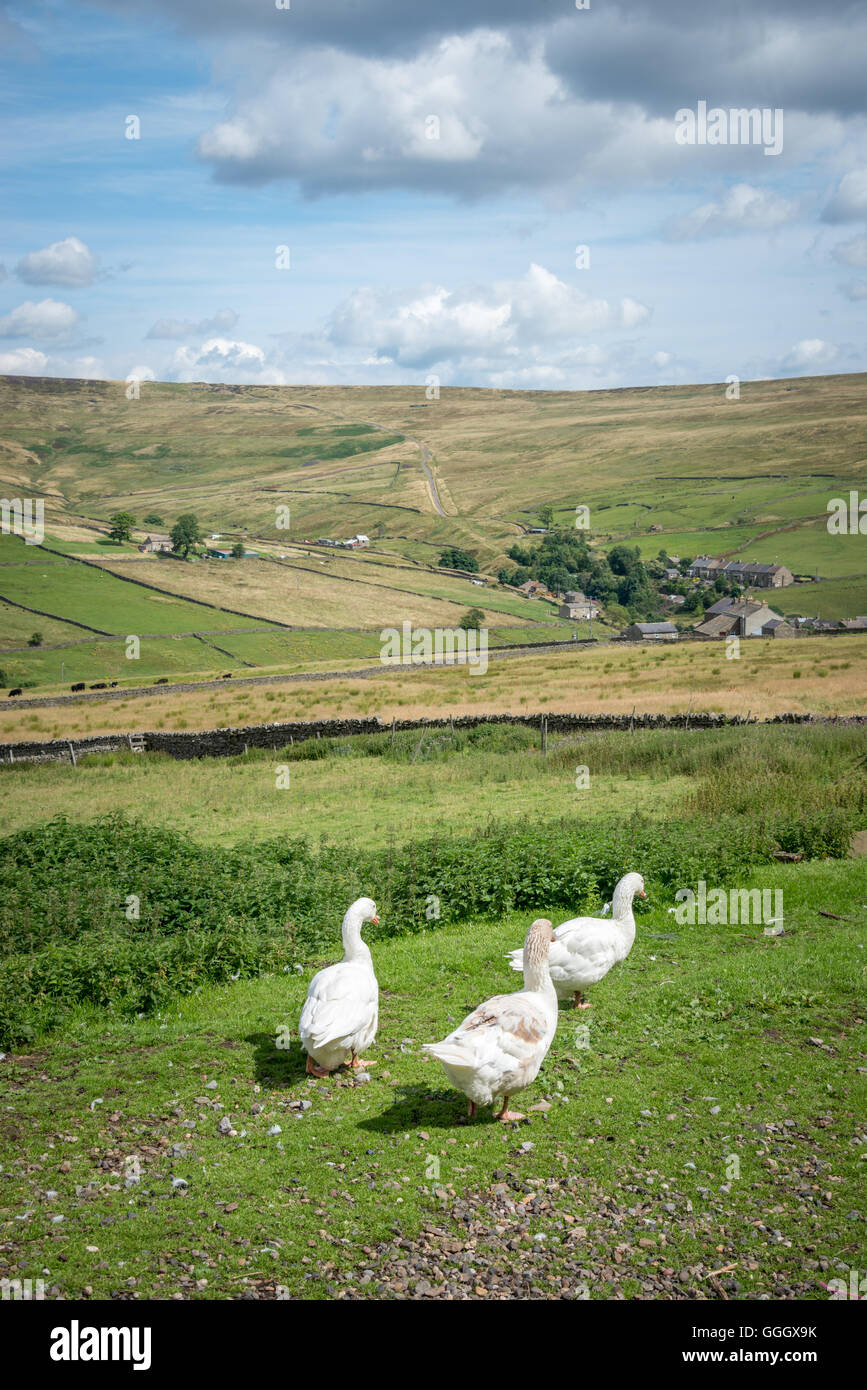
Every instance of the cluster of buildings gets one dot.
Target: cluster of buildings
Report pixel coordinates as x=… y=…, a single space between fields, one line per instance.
x=358 y=542
x=748 y=573
x=742 y=617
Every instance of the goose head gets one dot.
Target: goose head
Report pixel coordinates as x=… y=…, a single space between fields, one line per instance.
x=538 y=940
x=630 y=886
x=536 y=946
x=363 y=910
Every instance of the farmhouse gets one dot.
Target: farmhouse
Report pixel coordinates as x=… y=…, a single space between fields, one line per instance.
x=650 y=632
x=577 y=607
x=740 y=618
x=533 y=589
x=156 y=544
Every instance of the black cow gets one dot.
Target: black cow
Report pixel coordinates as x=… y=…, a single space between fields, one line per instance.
x=79 y=685
x=112 y=684
x=99 y=685
x=226 y=676
x=16 y=692
x=163 y=680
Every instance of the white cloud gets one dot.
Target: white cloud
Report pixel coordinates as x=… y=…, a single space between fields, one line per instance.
x=662 y=359
x=222 y=322
x=431 y=324
x=505 y=121
x=141 y=373
x=742 y=209
x=852 y=252
x=23 y=362
x=50 y=318
x=856 y=290
x=224 y=359
x=849 y=203
x=69 y=263
x=809 y=352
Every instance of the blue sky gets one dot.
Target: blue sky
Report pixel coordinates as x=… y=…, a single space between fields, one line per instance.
x=413 y=256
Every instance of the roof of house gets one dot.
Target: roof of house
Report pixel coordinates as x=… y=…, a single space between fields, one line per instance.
x=720 y=626
x=653 y=627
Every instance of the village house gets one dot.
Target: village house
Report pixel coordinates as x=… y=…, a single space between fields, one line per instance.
x=650 y=632
x=741 y=618
x=577 y=607
x=534 y=589
x=748 y=573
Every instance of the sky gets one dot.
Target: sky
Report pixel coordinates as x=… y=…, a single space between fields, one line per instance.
x=493 y=193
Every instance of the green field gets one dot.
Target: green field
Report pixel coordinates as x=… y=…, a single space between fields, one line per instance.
x=696 y=1134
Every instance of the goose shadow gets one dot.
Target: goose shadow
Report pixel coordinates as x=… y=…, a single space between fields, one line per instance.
x=274 y=1067
x=421 y=1107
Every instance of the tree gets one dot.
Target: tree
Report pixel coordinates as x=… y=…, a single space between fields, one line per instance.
x=185 y=534
x=472 y=619
x=35 y=639
x=546 y=514
x=152 y=519
x=454 y=559
x=238 y=550
x=121 y=526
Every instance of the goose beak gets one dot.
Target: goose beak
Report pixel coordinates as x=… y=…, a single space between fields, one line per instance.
x=641 y=893
x=375 y=919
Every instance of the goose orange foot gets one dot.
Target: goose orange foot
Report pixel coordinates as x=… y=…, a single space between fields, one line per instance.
x=313 y=1070
x=358 y=1062
x=506 y=1115
x=579 y=1001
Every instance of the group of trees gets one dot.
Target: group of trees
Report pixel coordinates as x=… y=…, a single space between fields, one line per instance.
x=186 y=533
x=454 y=559
x=563 y=560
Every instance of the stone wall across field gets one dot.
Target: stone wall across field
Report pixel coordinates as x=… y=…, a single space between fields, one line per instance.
x=224 y=743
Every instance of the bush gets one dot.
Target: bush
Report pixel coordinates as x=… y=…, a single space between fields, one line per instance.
x=69 y=933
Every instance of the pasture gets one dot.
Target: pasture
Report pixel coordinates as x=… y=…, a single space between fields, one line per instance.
x=695 y=1134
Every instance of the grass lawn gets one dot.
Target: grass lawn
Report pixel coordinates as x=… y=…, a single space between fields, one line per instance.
x=706 y=1115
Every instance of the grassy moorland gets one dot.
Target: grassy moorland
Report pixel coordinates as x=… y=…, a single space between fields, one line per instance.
x=696 y=1135
x=679 y=467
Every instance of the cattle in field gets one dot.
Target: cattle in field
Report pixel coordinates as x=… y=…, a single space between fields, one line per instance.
x=163 y=680
x=79 y=685
x=112 y=684
x=226 y=676
x=99 y=685
x=15 y=692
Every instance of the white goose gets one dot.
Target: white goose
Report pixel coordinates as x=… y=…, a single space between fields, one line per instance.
x=341 y=1012
x=499 y=1048
x=586 y=948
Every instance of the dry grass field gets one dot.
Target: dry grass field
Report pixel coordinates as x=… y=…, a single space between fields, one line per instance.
x=822 y=675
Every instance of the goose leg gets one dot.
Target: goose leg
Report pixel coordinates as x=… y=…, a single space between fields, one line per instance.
x=471 y=1110
x=358 y=1062
x=314 y=1070
x=579 y=1001
x=506 y=1114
